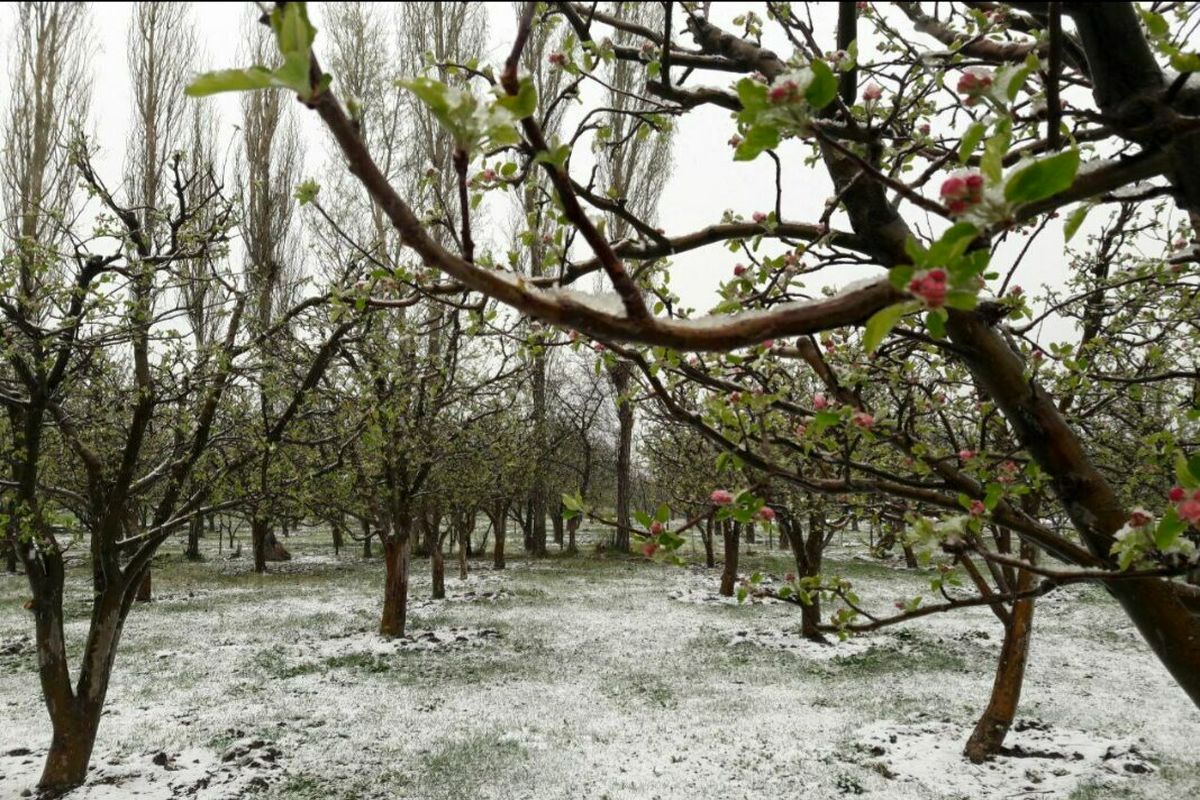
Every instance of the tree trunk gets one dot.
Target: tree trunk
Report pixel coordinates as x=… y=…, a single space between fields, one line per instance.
x=622 y=373
x=558 y=525
x=338 y=538
x=75 y=718
x=463 y=544
x=910 y=558
x=144 y=588
x=706 y=535
x=437 y=561
x=572 y=529
x=397 y=551
x=500 y=522
x=366 y=529
x=10 y=555
x=195 y=531
x=266 y=546
x=731 y=532
x=992 y=727
x=71 y=744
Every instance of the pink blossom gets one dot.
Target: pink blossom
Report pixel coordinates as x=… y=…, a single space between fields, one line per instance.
x=1016 y=291
x=758 y=217
x=924 y=129
x=801 y=430
x=930 y=286
x=975 y=83
x=820 y=401
x=790 y=577
x=873 y=92
x=735 y=397
x=488 y=175
x=1190 y=510
x=962 y=191
x=649 y=549
x=977 y=508
x=599 y=348
x=1139 y=518
x=739 y=270
x=766 y=514
x=721 y=497
x=784 y=92
x=735 y=140
x=557 y=59
x=966 y=455
x=656 y=527
x=862 y=419
x=768 y=344
x=1176 y=494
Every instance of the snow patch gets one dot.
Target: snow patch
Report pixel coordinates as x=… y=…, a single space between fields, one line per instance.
x=1039 y=761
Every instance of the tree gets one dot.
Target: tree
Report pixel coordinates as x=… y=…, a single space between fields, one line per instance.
x=931 y=293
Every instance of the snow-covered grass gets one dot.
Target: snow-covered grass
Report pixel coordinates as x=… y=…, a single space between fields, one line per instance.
x=587 y=678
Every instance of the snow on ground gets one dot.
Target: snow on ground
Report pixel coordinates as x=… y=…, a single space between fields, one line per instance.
x=585 y=679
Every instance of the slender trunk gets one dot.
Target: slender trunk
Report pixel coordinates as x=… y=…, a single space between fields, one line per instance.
x=572 y=529
x=988 y=736
x=398 y=559
x=366 y=529
x=463 y=544
x=750 y=533
x=501 y=524
x=259 y=528
x=558 y=525
x=710 y=559
x=437 y=561
x=622 y=373
x=731 y=531
x=337 y=539
x=195 y=530
x=910 y=558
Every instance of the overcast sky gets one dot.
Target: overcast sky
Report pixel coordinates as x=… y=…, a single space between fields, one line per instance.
x=704 y=182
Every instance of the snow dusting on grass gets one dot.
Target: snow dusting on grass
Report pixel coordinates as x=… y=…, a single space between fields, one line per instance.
x=587 y=678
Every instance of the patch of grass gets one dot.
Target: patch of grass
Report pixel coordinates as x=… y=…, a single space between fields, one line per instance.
x=272 y=663
x=642 y=688
x=463 y=767
x=360 y=662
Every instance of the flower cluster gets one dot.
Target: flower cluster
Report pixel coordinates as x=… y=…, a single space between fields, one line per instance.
x=930 y=286
x=975 y=84
x=1187 y=505
x=960 y=193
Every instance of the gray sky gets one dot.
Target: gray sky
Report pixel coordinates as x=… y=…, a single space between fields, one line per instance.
x=704 y=183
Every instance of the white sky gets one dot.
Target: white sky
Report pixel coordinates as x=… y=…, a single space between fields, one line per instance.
x=704 y=182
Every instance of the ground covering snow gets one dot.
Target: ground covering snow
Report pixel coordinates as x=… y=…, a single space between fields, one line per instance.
x=587 y=678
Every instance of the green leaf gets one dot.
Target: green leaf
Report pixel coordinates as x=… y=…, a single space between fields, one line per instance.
x=822 y=420
x=663 y=514
x=307 y=191
x=1193 y=465
x=642 y=518
x=823 y=88
x=882 y=321
x=752 y=94
x=1183 y=474
x=1186 y=62
x=230 y=80
x=952 y=244
x=992 y=162
x=758 y=139
x=524 y=103
x=971 y=140
x=962 y=299
x=741 y=594
x=1074 y=220
x=1043 y=178
x=901 y=276
x=1169 y=528
x=935 y=321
